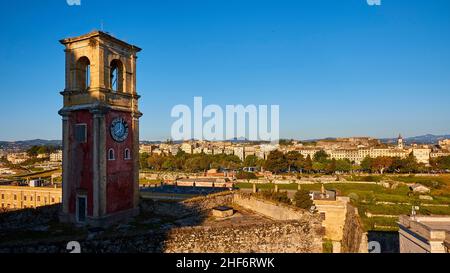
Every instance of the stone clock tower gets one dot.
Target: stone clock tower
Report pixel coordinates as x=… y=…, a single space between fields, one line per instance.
x=100 y=130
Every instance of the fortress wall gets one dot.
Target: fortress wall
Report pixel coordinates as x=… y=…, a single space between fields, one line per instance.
x=276 y=237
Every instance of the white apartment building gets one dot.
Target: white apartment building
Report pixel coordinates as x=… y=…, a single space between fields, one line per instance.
x=187 y=148
x=144 y=148
x=56 y=156
x=239 y=152
x=422 y=155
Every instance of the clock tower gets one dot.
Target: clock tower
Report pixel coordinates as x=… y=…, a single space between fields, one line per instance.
x=100 y=130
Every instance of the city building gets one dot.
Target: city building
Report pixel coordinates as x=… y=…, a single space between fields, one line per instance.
x=56 y=156
x=15 y=197
x=187 y=147
x=17 y=158
x=144 y=148
x=445 y=144
x=100 y=130
x=424 y=234
x=422 y=155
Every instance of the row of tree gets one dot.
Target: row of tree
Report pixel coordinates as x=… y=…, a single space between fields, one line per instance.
x=279 y=162
x=39 y=150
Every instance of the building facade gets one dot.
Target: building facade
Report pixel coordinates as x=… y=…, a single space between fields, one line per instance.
x=15 y=198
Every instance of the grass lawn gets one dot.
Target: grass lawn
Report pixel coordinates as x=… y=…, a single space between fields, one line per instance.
x=149 y=182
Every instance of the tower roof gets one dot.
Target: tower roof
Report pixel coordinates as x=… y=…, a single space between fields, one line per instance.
x=101 y=35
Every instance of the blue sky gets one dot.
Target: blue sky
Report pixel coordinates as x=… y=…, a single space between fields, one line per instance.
x=336 y=68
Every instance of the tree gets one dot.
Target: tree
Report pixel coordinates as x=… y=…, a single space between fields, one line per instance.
x=382 y=163
x=302 y=200
x=331 y=166
x=308 y=166
x=366 y=164
x=246 y=176
x=318 y=167
x=410 y=164
x=293 y=159
x=276 y=162
x=441 y=163
x=155 y=162
x=343 y=165
x=251 y=161
x=321 y=156
x=143 y=163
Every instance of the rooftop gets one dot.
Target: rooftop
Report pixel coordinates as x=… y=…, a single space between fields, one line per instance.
x=100 y=34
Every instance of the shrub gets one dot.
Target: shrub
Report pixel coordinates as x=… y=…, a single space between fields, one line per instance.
x=280 y=197
x=302 y=200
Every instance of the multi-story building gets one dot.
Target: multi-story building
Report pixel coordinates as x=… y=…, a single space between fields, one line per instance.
x=197 y=150
x=17 y=158
x=239 y=152
x=351 y=154
x=445 y=144
x=13 y=197
x=422 y=154
x=437 y=154
x=187 y=148
x=174 y=149
x=228 y=150
x=56 y=156
x=309 y=152
x=144 y=148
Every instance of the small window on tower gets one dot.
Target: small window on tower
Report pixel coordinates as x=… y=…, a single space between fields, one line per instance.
x=127 y=154
x=111 y=155
x=81 y=133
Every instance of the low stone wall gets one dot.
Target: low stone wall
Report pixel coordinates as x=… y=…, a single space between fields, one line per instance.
x=354 y=237
x=271 y=210
x=206 y=203
x=276 y=237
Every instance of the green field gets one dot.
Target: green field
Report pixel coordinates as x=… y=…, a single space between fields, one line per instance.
x=367 y=197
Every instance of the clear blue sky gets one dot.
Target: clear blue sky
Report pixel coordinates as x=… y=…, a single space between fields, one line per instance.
x=335 y=67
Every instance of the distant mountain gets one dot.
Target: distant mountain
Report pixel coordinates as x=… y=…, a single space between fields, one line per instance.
x=425 y=139
x=26 y=144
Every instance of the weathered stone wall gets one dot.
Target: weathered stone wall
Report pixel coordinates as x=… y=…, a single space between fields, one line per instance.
x=276 y=237
x=206 y=203
x=354 y=237
x=335 y=217
x=302 y=234
x=269 y=209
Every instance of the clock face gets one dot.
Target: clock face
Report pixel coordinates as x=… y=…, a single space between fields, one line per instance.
x=119 y=130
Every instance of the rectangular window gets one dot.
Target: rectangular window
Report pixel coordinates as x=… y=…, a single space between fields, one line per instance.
x=24 y=198
x=81 y=133
x=81 y=209
x=39 y=199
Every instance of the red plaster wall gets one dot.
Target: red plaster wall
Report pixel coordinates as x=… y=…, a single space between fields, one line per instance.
x=120 y=175
x=81 y=175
